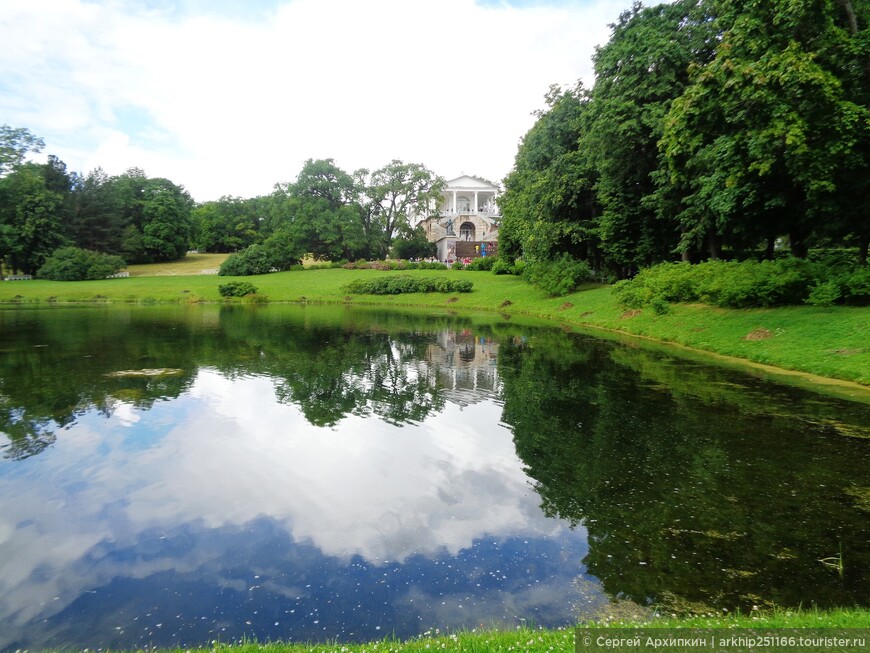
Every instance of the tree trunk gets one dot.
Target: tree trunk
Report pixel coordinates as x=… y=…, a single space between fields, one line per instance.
x=797 y=243
x=863 y=245
x=714 y=246
x=852 y=18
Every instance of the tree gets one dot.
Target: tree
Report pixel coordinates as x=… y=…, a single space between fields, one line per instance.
x=317 y=213
x=15 y=143
x=771 y=134
x=549 y=205
x=154 y=217
x=639 y=72
x=413 y=243
x=96 y=220
x=391 y=195
x=30 y=219
x=226 y=225
x=166 y=223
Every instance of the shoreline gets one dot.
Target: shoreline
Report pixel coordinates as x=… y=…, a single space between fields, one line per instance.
x=822 y=348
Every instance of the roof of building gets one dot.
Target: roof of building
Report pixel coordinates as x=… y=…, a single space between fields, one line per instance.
x=467 y=182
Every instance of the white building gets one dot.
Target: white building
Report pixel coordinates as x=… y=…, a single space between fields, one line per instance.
x=466 y=223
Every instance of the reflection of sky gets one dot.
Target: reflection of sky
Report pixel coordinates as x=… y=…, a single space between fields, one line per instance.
x=225 y=500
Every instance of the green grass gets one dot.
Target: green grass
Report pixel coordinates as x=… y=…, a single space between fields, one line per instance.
x=190 y=264
x=828 y=342
x=548 y=641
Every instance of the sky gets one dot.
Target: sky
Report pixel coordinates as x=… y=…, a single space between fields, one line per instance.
x=229 y=97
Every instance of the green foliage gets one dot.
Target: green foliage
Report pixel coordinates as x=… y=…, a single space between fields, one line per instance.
x=414 y=244
x=15 y=143
x=559 y=276
x=794 y=164
x=253 y=260
x=406 y=284
x=237 y=289
x=227 y=225
x=824 y=294
x=390 y=195
x=31 y=219
x=549 y=203
x=75 y=264
x=502 y=266
x=639 y=73
x=481 y=263
x=746 y=284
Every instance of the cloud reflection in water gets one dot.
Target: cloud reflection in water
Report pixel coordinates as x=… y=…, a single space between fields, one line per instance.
x=365 y=524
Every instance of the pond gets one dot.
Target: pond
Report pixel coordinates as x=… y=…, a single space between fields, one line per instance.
x=183 y=475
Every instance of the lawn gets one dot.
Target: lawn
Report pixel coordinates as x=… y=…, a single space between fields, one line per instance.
x=190 y=264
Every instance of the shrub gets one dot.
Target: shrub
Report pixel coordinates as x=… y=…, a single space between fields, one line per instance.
x=858 y=286
x=75 y=264
x=730 y=284
x=396 y=285
x=558 y=276
x=481 y=263
x=413 y=244
x=824 y=294
x=502 y=266
x=252 y=260
x=749 y=284
x=236 y=289
x=431 y=265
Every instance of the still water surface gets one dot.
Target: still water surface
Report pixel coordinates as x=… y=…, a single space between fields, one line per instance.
x=189 y=474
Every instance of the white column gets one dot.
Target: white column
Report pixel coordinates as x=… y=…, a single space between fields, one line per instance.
x=454 y=201
x=475 y=201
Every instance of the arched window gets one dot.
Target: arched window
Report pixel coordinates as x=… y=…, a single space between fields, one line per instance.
x=467 y=231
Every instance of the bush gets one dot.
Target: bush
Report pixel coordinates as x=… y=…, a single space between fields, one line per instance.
x=75 y=264
x=502 y=266
x=252 y=260
x=396 y=285
x=745 y=284
x=558 y=276
x=824 y=294
x=414 y=244
x=858 y=286
x=481 y=263
x=431 y=265
x=236 y=289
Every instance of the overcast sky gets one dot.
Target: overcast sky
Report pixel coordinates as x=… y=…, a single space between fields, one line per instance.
x=227 y=97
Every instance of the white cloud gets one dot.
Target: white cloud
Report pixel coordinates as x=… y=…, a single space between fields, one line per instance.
x=230 y=106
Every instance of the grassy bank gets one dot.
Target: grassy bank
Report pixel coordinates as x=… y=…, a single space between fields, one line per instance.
x=828 y=342
x=549 y=641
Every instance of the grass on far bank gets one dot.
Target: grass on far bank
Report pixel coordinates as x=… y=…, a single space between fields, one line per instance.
x=828 y=342
x=533 y=640
x=189 y=265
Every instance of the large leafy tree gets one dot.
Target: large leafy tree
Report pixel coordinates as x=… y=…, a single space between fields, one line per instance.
x=166 y=222
x=771 y=136
x=317 y=213
x=549 y=205
x=30 y=219
x=639 y=73
x=227 y=225
x=156 y=217
x=15 y=143
x=390 y=195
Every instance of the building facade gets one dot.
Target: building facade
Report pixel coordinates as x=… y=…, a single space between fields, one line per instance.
x=465 y=225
